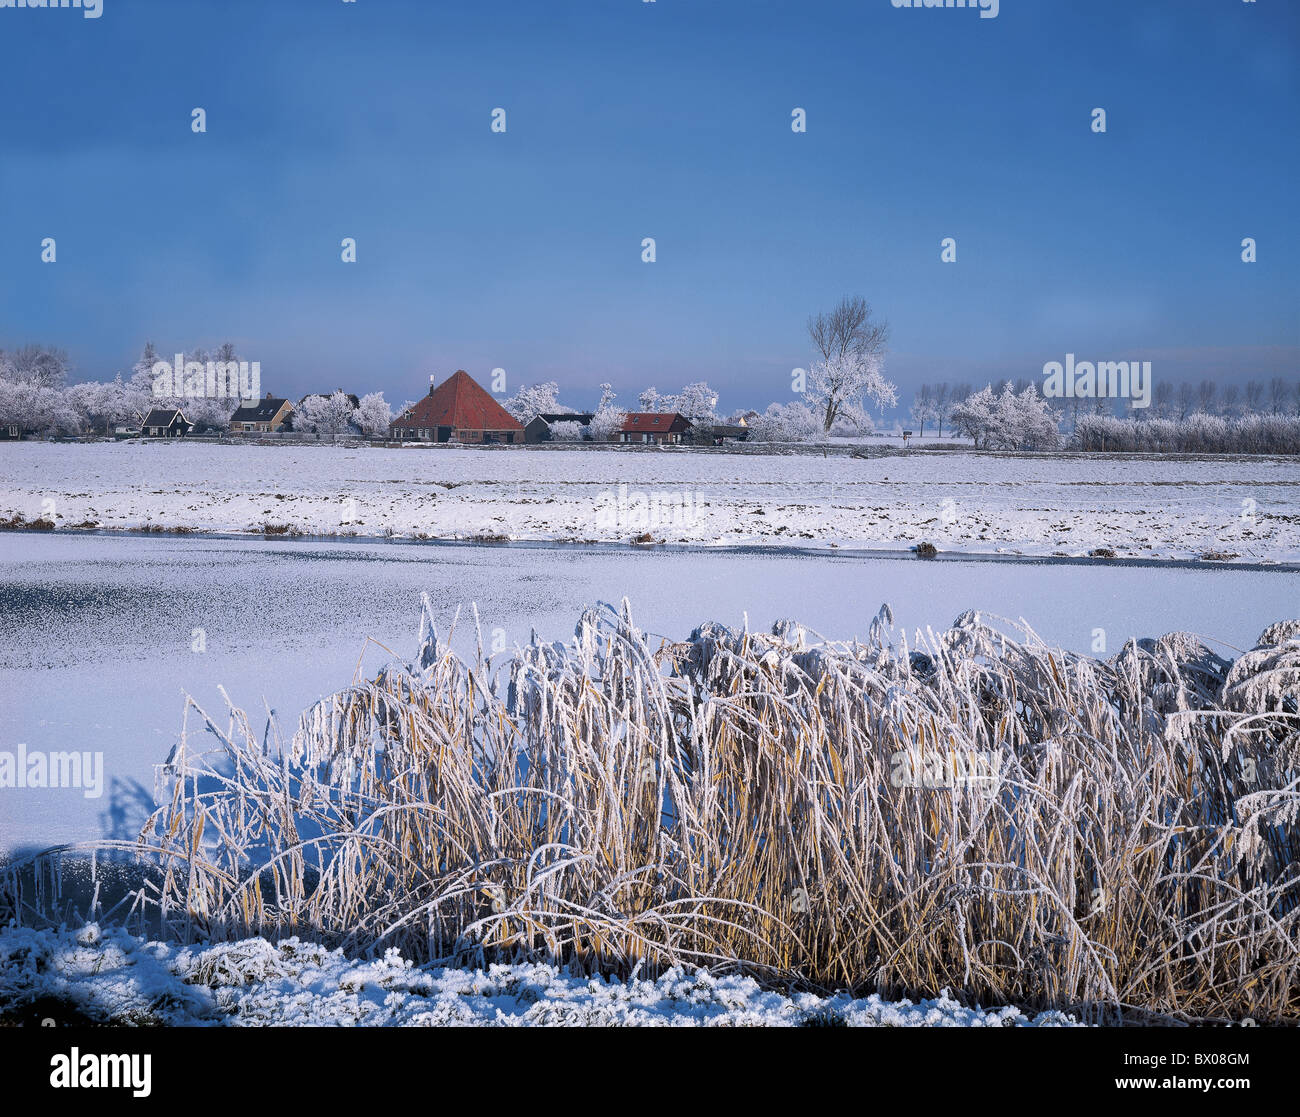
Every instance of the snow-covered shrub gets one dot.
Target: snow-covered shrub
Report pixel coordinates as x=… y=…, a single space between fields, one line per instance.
x=1197 y=434
x=787 y=422
x=566 y=430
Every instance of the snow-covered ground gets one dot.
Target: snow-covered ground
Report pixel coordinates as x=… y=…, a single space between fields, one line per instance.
x=960 y=501
x=104 y=974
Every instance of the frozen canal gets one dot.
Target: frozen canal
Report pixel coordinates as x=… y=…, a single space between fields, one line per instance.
x=101 y=637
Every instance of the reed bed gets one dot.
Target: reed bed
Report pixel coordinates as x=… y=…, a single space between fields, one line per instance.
x=975 y=810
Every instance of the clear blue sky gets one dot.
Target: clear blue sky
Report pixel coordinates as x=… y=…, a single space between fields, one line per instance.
x=668 y=120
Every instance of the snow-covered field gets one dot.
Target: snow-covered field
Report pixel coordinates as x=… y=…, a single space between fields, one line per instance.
x=104 y=633
x=960 y=501
x=104 y=974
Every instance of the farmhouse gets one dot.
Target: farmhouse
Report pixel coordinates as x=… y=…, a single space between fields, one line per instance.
x=457 y=410
x=722 y=433
x=539 y=429
x=663 y=427
x=261 y=416
x=165 y=422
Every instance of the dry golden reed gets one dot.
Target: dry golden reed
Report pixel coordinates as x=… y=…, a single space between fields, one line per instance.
x=809 y=812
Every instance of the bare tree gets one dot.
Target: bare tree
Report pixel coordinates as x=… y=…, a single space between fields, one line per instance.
x=1162 y=399
x=1205 y=395
x=1186 y=398
x=1230 y=401
x=923 y=407
x=1254 y=396
x=848 y=329
x=942 y=404
x=1277 y=393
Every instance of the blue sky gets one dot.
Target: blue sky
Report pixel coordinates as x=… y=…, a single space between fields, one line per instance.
x=668 y=120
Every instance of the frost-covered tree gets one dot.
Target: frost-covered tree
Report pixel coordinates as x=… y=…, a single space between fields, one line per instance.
x=943 y=403
x=534 y=399
x=38 y=409
x=42 y=366
x=1027 y=422
x=975 y=416
x=373 y=415
x=608 y=418
x=697 y=402
x=332 y=414
x=852 y=353
x=142 y=370
x=97 y=405
x=851 y=422
x=649 y=399
x=841 y=383
x=923 y=408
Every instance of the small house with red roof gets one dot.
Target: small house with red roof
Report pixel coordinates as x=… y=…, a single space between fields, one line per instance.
x=457 y=410
x=663 y=427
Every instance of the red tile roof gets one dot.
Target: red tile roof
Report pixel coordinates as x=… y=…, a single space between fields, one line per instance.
x=458 y=402
x=654 y=422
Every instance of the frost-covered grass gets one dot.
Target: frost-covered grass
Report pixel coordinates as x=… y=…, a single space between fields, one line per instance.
x=105 y=976
x=959 y=501
x=991 y=815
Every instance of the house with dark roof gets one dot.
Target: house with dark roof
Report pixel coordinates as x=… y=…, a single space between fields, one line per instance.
x=660 y=427
x=261 y=416
x=165 y=422
x=722 y=433
x=457 y=410
x=539 y=429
